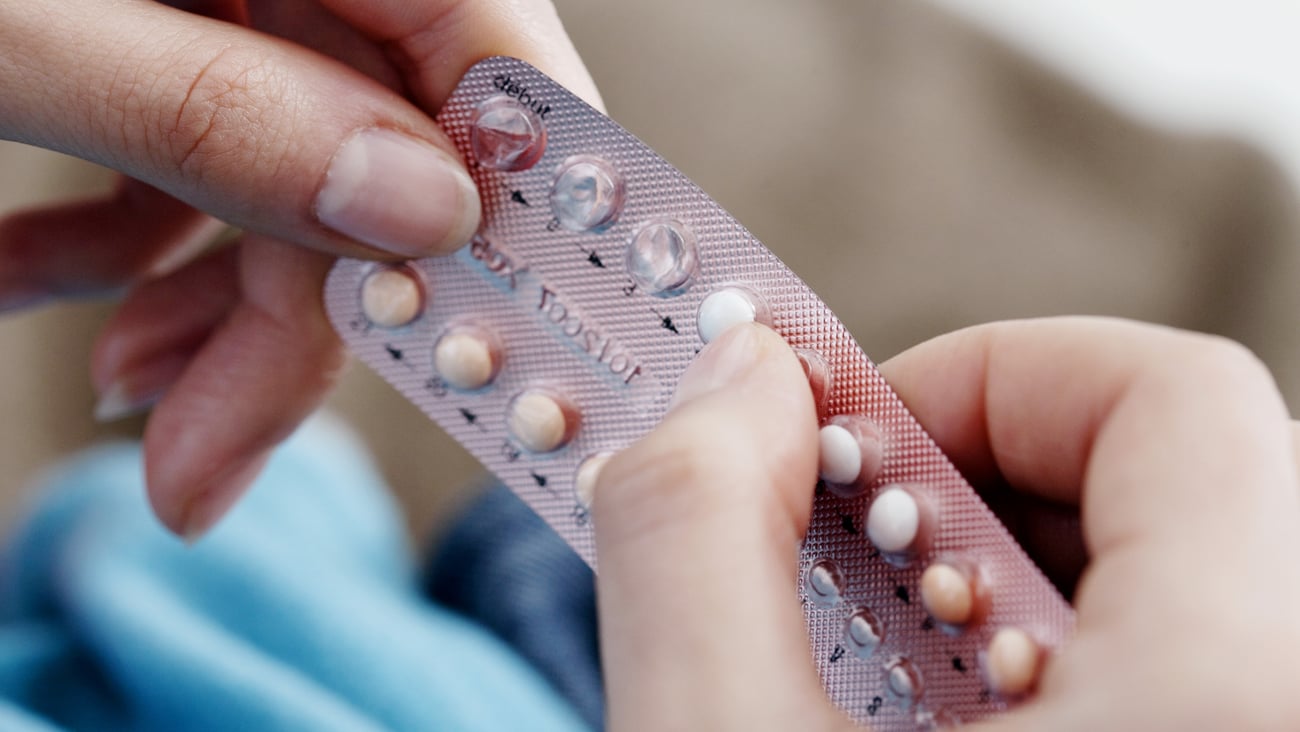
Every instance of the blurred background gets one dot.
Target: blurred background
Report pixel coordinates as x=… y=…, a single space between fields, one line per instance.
x=923 y=166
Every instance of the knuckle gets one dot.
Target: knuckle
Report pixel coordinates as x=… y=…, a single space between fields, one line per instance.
x=1214 y=357
x=222 y=102
x=202 y=112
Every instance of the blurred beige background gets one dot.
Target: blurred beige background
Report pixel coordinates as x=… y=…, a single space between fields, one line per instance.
x=920 y=176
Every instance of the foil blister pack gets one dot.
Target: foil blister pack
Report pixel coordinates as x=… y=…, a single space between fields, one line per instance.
x=557 y=337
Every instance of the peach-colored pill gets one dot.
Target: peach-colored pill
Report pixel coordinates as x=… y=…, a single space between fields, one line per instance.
x=947 y=594
x=540 y=422
x=1012 y=661
x=466 y=360
x=584 y=480
x=391 y=298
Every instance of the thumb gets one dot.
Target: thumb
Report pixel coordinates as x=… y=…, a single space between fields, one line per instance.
x=259 y=132
x=697 y=533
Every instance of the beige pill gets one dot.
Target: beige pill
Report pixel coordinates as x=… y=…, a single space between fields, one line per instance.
x=1012 y=662
x=584 y=480
x=466 y=360
x=540 y=422
x=391 y=298
x=947 y=594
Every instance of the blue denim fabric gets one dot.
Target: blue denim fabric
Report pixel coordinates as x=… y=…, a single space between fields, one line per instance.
x=501 y=565
x=299 y=612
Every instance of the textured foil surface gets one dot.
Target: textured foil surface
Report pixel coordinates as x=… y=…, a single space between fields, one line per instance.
x=511 y=281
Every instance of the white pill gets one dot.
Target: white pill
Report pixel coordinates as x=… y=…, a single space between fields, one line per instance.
x=584 y=480
x=465 y=359
x=840 y=458
x=1011 y=662
x=947 y=594
x=540 y=422
x=723 y=309
x=893 y=521
x=391 y=298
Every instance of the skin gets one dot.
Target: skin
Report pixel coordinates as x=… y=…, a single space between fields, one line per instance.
x=230 y=110
x=1175 y=450
x=1172 y=453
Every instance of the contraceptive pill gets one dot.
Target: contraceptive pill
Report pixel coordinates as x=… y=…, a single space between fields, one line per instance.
x=467 y=358
x=541 y=421
x=725 y=308
x=850 y=454
x=840 y=459
x=1012 y=662
x=584 y=481
x=559 y=335
x=950 y=594
x=391 y=297
x=896 y=521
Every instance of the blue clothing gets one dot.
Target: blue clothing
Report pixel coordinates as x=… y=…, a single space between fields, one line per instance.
x=500 y=564
x=298 y=612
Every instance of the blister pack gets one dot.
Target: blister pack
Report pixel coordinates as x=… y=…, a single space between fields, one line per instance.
x=557 y=338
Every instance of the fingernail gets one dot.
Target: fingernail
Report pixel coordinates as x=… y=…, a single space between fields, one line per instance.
x=207 y=506
x=18 y=298
x=116 y=403
x=724 y=361
x=140 y=387
x=399 y=194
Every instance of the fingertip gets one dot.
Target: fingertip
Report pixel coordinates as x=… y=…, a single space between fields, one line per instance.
x=397 y=193
x=210 y=504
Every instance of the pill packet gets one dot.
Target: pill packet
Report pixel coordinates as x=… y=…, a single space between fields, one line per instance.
x=557 y=337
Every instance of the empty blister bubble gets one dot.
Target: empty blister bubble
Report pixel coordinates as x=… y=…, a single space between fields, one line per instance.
x=467 y=357
x=506 y=135
x=819 y=376
x=541 y=421
x=661 y=257
x=903 y=682
x=587 y=194
x=863 y=633
x=930 y=720
x=825 y=583
x=391 y=297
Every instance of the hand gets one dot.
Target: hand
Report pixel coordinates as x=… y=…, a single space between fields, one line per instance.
x=1176 y=448
x=310 y=127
